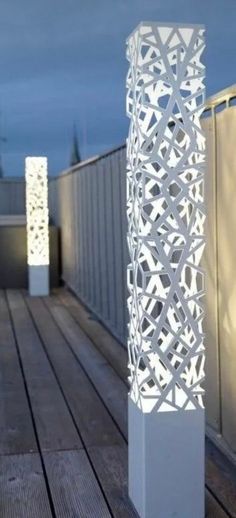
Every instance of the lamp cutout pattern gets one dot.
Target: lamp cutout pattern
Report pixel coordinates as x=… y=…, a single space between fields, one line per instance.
x=37 y=211
x=165 y=190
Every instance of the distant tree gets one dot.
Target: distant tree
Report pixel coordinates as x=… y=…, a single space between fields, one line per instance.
x=75 y=153
x=1 y=168
x=2 y=141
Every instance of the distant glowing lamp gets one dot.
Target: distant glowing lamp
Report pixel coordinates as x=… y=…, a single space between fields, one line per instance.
x=37 y=225
x=165 y=201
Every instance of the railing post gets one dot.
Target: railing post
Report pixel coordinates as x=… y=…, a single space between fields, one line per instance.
x=36 y=176
x=166 y=162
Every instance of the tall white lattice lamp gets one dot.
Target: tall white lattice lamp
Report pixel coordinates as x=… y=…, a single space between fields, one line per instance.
x=36 y=177
x=166 y=162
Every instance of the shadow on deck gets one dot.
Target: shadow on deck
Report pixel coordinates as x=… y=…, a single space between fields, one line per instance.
x=63 y=441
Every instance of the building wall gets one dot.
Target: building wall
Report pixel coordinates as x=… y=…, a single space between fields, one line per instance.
x=12 y=196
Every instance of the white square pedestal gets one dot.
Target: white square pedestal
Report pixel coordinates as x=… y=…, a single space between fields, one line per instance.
x=38 y=280
x=167 y=463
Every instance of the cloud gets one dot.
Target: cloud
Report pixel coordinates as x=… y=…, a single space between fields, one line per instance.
x=64 y=60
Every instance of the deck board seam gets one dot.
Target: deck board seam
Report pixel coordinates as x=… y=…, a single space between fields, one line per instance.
x=86 y=373
x=52 y=508
x=67 y=306
x=228 y=514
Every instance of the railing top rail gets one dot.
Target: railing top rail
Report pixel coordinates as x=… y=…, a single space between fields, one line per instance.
x=86 y=162
x=224 y=96
x=75 y=167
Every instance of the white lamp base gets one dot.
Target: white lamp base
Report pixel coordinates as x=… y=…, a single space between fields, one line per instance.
x=38 y=280
x=167 y=463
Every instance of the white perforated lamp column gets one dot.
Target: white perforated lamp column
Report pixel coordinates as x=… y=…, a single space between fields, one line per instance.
x=36 y=177
x=166 y=162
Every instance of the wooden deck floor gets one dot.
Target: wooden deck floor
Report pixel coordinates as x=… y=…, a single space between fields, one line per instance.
x=63 y=421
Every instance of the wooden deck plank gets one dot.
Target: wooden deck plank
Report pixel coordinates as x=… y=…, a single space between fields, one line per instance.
x=221 y=478
x=86 y=408
x=94 y=422
x=16 y=427
x=23 y=491
x=213 y=508
x=112 y=469
x=53 y=421
x=110 y=387
x=100 y=336
x=75 y=490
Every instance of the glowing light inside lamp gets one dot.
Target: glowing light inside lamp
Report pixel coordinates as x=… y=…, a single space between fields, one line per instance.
x=165 y=154
x=37 y=211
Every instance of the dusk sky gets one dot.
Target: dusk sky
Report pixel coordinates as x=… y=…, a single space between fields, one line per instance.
x=63 y=61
